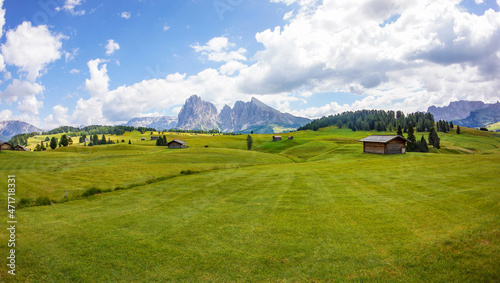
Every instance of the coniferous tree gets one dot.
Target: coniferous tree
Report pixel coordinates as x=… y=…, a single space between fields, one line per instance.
x=42 y=147
x=53 y=143
x=47 y=139
x=37 y=147
x=451 y=125
x=249 y=142
x=165 y=143
x=434 y=138
x=423 y=147
x=103 y=140
x=64 y=140
x=458 y=129
x=95 y=140
x=412 y=146
x=80 y=140
x=129 y=142
x=400 y=131
x=159 y=141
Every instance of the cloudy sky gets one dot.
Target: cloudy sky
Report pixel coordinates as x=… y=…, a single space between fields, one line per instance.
x=74 y=62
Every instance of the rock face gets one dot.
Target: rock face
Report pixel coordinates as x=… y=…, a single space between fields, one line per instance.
x=197 y=114
x=159 y=123
x=11 y=128
x=481 y=117
x=456 y=110
x=256 y=116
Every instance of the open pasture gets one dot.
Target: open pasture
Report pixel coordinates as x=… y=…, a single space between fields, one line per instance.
x=314 y=208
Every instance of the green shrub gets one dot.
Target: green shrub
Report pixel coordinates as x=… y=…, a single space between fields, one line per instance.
x=25 y=202
x=42 y=201
x=91 y=191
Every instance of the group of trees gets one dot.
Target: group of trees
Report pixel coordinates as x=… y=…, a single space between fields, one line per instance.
x=444 y=126
x=161 y=141
x=54 y=142
x=97 y=130
x=96 y=141
x=421 y=145
x=369 y=120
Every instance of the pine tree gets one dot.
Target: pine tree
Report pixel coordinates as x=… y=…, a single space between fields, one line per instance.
x=451 y=125
x=129 y=142
x=165 y=143
x=400 y=131
x=434 y=138
x=53 y=143
x=249 y=142
x=423 y=147
x=64 y=141
x=47 y=138
x=95 y=140
x=458 y=129
x=412 y=146
x=37 y=147
x=42 y=147
x=159 y=141
x=103 y=140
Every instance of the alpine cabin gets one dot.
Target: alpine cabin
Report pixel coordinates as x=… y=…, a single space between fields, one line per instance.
x=177 y=144
x=384 y=144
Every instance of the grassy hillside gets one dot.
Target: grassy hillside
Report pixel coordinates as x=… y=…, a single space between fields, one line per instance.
x=313 y=208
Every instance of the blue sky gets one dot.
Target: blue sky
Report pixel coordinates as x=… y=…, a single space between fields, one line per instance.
x=73 y=62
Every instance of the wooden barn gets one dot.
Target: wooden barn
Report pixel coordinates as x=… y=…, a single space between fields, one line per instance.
x=5 y=146
x=276 y=138
x=177 y=144
x=290 y=137
x=20 y=148
x=384 y=144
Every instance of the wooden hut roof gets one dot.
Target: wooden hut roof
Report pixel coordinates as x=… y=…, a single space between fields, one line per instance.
x=382 y=139
x=21 y=147
x=178 y=141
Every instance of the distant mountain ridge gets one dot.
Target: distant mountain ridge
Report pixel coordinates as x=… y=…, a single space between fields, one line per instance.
x=481 y=117
x=159 y=123
x=473 y=114
x=244 y=117
x=255 y=116
x=456 y=110
x=8 y=129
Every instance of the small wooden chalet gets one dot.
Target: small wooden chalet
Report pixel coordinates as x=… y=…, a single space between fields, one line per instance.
x=276 y=138
x=154 y=138
x=290 y=137
x=5 y=146
x=177 y=144
x=384 y=144
x=20 y=148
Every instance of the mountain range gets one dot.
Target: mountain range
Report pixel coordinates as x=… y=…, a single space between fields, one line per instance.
x=159 y=123
x=11 y=128
x=244 y=117
x=472 y=114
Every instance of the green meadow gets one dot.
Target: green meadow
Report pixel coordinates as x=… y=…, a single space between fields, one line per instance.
x=314 y=208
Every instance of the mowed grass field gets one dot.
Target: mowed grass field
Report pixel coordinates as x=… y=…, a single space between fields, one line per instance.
x=314 y=208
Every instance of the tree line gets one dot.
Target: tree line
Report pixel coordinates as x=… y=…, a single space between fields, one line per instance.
x=378 y=120
x=98 y=130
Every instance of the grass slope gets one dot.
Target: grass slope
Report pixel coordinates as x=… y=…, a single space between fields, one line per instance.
x=310 y=209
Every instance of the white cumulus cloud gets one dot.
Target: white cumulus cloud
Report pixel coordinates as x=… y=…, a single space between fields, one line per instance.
x=111 y=47
x=98 y=83
x=31 y=48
